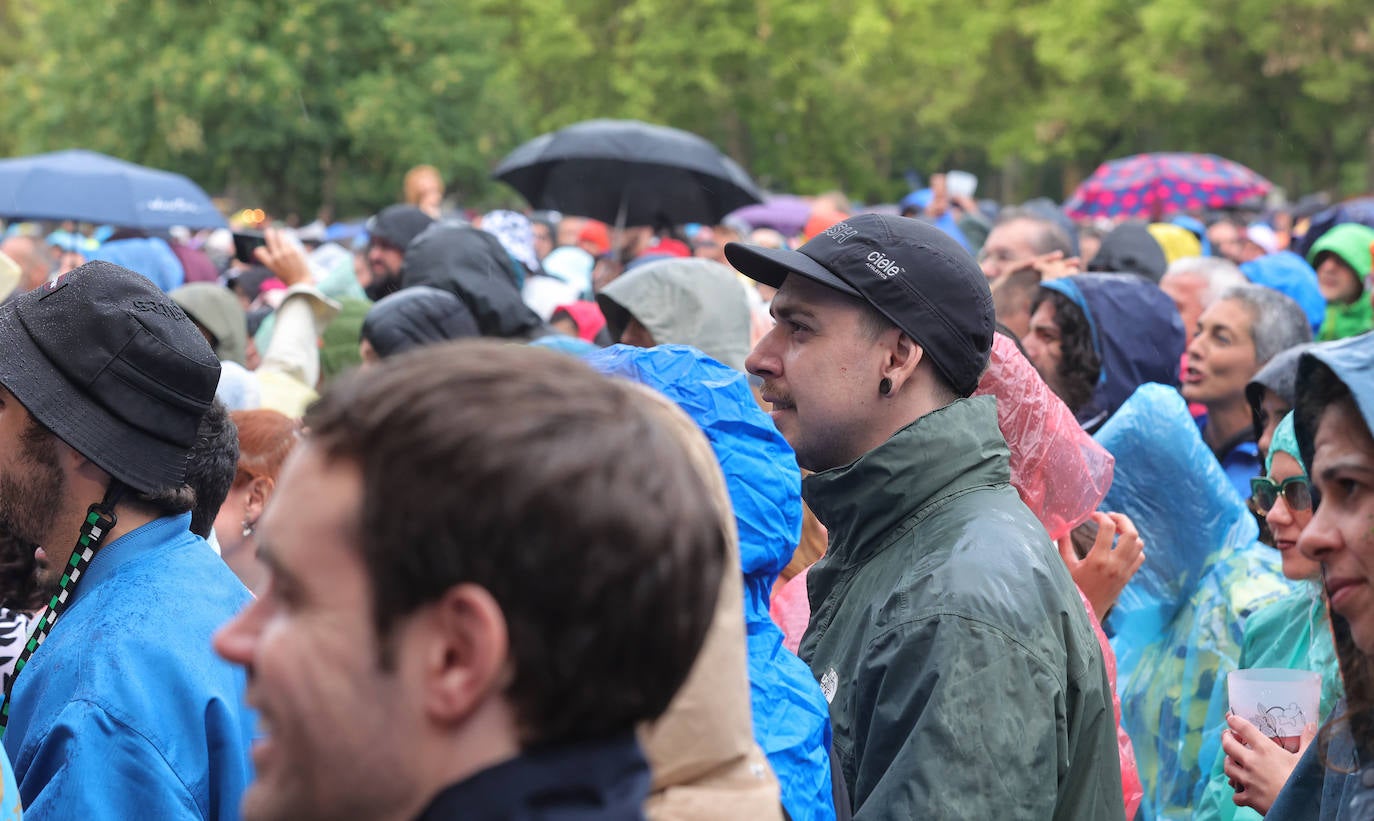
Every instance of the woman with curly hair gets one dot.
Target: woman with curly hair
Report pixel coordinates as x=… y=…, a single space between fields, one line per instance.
x=1095 y=338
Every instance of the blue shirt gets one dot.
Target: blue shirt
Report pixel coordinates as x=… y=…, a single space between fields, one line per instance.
x=1240 y=460
x=126 y=711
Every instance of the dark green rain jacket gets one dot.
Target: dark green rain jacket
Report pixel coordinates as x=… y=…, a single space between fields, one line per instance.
x=962 y=673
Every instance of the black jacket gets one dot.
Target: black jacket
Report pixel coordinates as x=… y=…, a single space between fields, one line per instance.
x=473 y=266
x=604 y=780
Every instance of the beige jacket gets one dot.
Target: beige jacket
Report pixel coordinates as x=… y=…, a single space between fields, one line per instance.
x=706 y=765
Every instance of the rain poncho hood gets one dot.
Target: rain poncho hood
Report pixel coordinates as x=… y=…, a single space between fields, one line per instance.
x=1175 y=241
x=1060 y=471
x=1136 y=332
x=1350 y=242
x=414 y=317
x=1130 y=249
x=217 y=309
x=473 y=266
x=1279 y=375
x=791 y=718
x=1290 y=275
x=1177 y=627
x=1352 y=360
x=689 y=301
x=1284 y=441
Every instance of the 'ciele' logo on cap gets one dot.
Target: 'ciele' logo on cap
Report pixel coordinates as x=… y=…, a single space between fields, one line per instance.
x=841 y=233
x=883 y=265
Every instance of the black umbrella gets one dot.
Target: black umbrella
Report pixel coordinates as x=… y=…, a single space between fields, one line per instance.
x=625 y=172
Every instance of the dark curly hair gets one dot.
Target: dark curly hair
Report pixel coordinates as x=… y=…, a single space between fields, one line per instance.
x=1079 y=364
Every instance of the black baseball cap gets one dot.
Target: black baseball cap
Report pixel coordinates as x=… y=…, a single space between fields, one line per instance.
x=112 y=366
x=910 y=271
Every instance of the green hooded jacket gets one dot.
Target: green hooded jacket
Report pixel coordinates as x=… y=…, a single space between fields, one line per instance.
x=962 y=673
x=1351 y=242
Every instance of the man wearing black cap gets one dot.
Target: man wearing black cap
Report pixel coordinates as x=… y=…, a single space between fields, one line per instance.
x=388 y=234
x=118 y=707
x=963 y=677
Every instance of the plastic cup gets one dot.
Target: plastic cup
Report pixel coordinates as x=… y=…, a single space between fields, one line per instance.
x=1281 y=703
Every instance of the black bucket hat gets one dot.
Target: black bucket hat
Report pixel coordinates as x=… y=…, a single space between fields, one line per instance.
x=399 y=224
x=910 y=271
x=108 y=363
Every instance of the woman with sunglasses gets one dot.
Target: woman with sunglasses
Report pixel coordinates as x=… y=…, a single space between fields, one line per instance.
x=1292 y=633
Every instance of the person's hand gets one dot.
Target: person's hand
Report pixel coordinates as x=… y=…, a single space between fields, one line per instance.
x=283 y=258
x=1104 y=572
x=1054 y=265
x=1256 y=765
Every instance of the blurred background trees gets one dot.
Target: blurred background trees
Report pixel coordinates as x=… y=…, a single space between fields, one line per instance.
x=317 y=104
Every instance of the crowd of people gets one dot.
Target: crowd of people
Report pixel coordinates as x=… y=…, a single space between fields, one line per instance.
x=941 y=511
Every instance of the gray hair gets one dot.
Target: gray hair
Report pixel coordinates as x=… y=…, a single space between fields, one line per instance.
x=1277 y=323
x=1048 y=236
x=1217 y=274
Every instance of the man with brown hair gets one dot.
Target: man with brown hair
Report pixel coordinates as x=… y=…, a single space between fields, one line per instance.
x=469 y=610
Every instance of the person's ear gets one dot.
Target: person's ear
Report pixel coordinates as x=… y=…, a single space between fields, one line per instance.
x=467 y=654
x=259 y=491
x=902 y=358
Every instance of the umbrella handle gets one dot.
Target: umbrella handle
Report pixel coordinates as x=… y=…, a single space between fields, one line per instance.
x=618 y=240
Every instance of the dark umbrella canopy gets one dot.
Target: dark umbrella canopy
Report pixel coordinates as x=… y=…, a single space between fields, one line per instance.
x=629 y=173
x=90 y=187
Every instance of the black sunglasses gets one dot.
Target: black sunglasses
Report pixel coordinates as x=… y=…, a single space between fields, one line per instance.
x=1295 y=490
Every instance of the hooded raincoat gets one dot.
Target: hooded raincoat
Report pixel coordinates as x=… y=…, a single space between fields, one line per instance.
x=962 y=673
x=1293 y=633
x=1177 y=626
x=1130 y=249
x=473 y=266
x=1351 y=242
x=683 y=302
x=790 y=718
x=1136 y=332
x=216 y=309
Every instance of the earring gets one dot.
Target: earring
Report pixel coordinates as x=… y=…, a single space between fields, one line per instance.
x=247 y=528
x=885 y=386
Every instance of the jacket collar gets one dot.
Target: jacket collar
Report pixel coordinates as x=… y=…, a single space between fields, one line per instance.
x=169 y=530
x=608 y=778
x=943 y=453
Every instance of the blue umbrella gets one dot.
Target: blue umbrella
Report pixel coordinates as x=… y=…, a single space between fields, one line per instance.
x=90 y=187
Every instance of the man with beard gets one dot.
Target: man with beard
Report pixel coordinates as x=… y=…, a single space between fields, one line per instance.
x=117 y=707
x=388 y=234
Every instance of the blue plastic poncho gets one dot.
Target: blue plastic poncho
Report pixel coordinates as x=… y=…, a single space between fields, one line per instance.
x=791 y=717
x=1177 y=627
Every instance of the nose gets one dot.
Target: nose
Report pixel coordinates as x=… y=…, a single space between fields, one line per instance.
x=1321 y=539
x=1279 y=514
x=236 y=642
x=764 y=360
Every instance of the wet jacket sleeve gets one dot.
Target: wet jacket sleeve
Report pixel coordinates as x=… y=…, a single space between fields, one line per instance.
x=955 y=721
x=91 y=766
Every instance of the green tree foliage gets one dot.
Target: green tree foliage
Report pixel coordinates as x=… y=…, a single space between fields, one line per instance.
x=298 y=104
